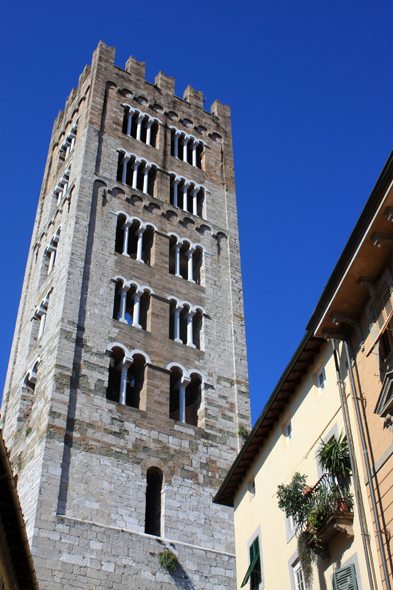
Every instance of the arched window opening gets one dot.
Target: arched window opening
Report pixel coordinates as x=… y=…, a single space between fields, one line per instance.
x=186 y=148
x=123 y=305
x=27 y=393
x=185 y=397
x=197 y=265
x=140 y=126
x=183 y=324
x=174 y=398
x=49 y=256
x=193 y=399
x=121 y=220
x=39 y=320
x=197 y=329
x=132 y=306
x=134 y=240
x=153 y=501
x=126 y=378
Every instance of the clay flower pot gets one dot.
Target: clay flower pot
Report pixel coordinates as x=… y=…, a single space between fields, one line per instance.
x=307 y=491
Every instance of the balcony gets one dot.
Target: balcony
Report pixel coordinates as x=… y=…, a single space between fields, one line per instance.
x=329 y=514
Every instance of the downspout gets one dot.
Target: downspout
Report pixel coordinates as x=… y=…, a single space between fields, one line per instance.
x=359 y=499
x=366 y=459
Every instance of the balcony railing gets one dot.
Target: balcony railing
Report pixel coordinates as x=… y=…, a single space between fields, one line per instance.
x=328 y=514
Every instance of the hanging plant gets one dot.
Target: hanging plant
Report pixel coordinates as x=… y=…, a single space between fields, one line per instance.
x=306 y=557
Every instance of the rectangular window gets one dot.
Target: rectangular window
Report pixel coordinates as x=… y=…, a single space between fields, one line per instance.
x=299 y=577
x=321 y=380
x=288 y=431
x=345 y=578
x=254 y=570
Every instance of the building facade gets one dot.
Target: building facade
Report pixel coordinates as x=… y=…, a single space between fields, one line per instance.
x=127 y=381
x=338 y=381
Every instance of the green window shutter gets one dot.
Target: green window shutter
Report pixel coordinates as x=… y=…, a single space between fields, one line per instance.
x=345 y=578
x=254 y=569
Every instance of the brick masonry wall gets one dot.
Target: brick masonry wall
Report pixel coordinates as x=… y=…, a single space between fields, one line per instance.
x=82 y=459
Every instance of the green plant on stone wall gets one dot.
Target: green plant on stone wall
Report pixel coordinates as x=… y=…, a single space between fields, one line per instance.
x=243 y=432
x=168 y=560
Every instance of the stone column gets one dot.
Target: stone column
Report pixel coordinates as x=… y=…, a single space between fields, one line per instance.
x=42 y=315
x=177 y=260
x=139 y=126
x=123 y=304
x=123 y=368
x=194 y=152
x=184 y=142
x=195 y=191
x=148 y=131
x=129 y=121
x=190 y=315
x=146 y=178
x=135 y=173
x=184 y=189
x=137 y=308
x=139 y=233
x=190 y=252
x=183 y=382
x=52 y=257
x=125 y=228
x=176 y=313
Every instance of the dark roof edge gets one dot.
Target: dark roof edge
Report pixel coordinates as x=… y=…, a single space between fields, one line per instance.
x=354 y=238
x=261 y=418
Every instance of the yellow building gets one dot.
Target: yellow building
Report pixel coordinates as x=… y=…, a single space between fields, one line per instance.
x=338 y=381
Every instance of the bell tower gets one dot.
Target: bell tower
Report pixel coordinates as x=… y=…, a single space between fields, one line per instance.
x=127 y=381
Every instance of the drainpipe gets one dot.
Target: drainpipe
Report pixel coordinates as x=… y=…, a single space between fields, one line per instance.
x=366 y=460
x=359 y=500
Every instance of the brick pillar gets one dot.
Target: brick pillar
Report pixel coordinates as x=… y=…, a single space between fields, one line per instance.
x=157 y=383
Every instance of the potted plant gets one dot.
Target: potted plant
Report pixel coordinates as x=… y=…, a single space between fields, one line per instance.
x=291 y=498
x=333 y=457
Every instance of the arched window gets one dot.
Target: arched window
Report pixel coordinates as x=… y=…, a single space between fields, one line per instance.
x=132 y=304
x=185 y=396
x=140 y=125
x=185 y=322
x=185 y=259
x=126 y=378
x=134 y=239
x=27 y=393
x=139 y=174
x=153 y=501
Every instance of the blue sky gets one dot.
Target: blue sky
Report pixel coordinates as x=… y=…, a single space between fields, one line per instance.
x=310 y=87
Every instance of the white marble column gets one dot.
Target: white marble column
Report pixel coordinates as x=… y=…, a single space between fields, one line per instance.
x=146 y=178
x=42 y=315
x=126 y=229
x=189 y=253
x=176 y=313
x=139 y=234
x=139 y=126
x=123 y=304
x=52 y=257
x=183 y=382
x=185 y=189
x=123 y=368
x=177 y=260
x=135 y=173
x=195 y=191
x=189 y=316
x=137 y=309
x=72 y=142
x=176 y=144
x=194 y=152
x=148 y=131
x=184 y=142
x=124 y=173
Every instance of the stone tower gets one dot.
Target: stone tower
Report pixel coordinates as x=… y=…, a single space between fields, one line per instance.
x=127 y=381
